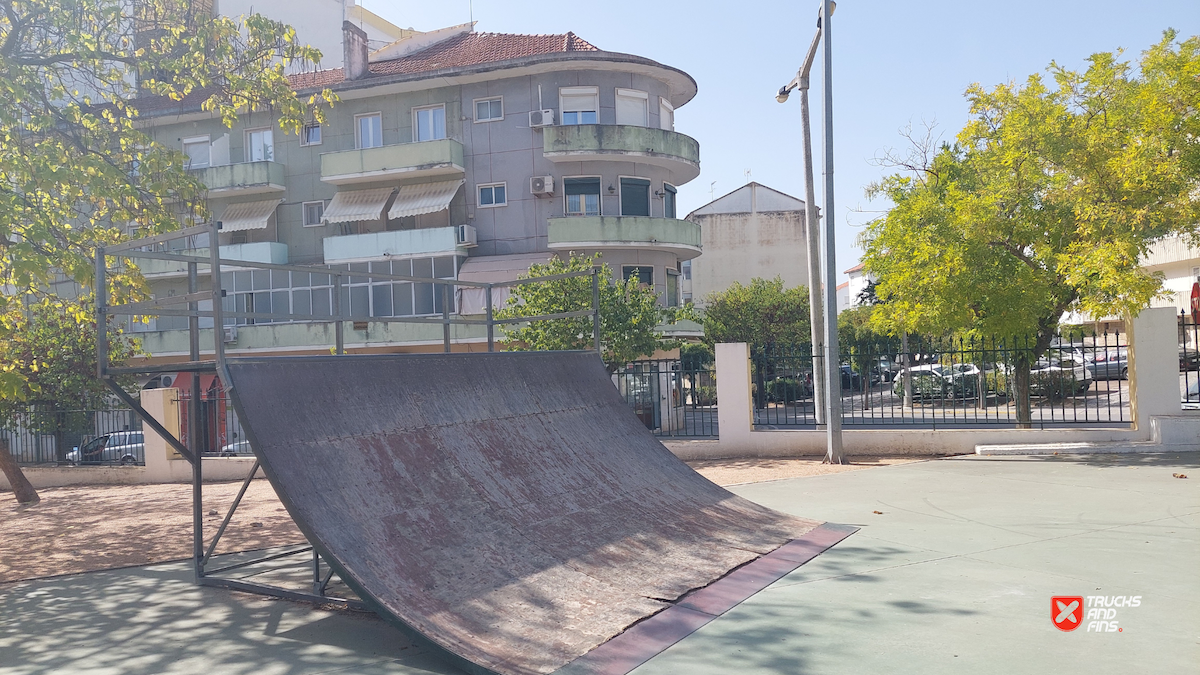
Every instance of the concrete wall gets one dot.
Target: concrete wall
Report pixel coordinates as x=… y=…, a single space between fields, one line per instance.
x=163 y=464
x=1153 y=388
x=741 y=246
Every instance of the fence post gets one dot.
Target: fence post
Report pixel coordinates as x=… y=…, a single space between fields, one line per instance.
x=735 y=409
x=1153 y=365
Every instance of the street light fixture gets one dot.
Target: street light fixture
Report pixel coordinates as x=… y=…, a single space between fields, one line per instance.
x=823 y=311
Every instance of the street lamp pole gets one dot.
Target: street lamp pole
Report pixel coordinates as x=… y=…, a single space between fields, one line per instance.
x=812 y=226
x=833 y=371
x=827 y=395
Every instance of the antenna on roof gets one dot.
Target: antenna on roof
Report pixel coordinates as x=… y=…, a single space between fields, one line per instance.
x=471 y=12
x=712 y=191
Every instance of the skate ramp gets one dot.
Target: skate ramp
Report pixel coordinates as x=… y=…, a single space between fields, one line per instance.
x=509 y=508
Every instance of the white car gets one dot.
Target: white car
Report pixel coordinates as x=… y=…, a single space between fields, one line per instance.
x=1191 y=400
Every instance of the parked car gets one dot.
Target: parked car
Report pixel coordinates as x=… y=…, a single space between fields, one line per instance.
x=118 y=447
x=1189 y=359
x=851 y=381
x=934 y=381
x=1059 y=376
x=1109 y=364
x=236 y=448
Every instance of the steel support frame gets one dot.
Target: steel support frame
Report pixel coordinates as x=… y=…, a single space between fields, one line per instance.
x=202 y=555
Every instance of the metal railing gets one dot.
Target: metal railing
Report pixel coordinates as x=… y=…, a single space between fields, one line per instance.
x=673 y=399
x=1080 y=380
x=1189 y=363
x=94 y=437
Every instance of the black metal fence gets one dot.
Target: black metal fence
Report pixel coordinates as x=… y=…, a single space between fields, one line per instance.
x=1189 y=363
x=220 y=430
x=1080 y=380
x=673 y=398
x=80 y=437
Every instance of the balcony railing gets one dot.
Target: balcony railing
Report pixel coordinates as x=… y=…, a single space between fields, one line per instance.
x=262 y=252
x=408 y=160
x=681 y=237
x=242 y=179
x=377 y=245
x=676 y=152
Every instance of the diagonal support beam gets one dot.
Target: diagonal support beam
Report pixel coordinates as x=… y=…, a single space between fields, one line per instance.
x=148 y=419
x=229 y=516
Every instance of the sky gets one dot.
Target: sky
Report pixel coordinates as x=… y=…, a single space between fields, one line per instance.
x=895 y=65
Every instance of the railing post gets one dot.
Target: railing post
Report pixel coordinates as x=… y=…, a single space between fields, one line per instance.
x=596 y=309
x=339 y=326
x=101 y=315
x=446 y=318
x=214 y=258
x=491 y=326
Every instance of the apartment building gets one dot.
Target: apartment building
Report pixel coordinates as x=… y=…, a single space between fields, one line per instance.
x=452 y=154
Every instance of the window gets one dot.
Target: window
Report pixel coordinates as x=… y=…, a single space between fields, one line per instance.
x=633 y=107
x=644 y=274
x=686 y=268
x=429 y=124
x=198 y=151
x=582 y=195
x=310 y=134
x=489 y=109
x=669 y=199
x=672 y=297
x=635 y=197
x=260 y=145
x=368 y=132
x=580 y=105
x=492 y=195
x=313 y=212
x=666 y=115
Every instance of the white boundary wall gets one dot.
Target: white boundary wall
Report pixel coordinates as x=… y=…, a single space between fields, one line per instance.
x=1154 y=389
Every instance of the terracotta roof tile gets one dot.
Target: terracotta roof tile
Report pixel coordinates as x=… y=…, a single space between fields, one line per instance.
x=856 y=268
x=469 y=49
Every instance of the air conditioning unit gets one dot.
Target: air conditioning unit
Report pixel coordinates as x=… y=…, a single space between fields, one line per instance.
x=231 y=334
x=542 y=185
x=541 y=118
x=467 y=236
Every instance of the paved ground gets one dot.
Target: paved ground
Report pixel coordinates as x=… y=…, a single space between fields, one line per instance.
x=954 y=575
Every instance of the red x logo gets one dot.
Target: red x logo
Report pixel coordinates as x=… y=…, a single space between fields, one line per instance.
x=1066 y=611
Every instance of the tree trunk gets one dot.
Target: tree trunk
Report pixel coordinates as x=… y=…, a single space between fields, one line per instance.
x=1024 y=409
x=22 y=488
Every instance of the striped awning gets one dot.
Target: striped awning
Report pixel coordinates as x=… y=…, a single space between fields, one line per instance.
x=248 y=215
x=349 y=206
x=414 y=200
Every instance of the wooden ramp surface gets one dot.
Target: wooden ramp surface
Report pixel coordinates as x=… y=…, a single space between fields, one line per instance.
x=509 y=508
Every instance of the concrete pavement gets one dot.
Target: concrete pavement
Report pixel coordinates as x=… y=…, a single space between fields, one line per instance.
x=955 y=575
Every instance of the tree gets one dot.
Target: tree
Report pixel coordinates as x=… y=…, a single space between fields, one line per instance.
x=1044 y=205
x=764 y=314
x=80 y=168
x=629 y=313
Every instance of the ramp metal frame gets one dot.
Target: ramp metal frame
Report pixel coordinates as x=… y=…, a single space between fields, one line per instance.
x=173 y=306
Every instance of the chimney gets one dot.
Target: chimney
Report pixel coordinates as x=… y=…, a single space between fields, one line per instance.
x=354 y=48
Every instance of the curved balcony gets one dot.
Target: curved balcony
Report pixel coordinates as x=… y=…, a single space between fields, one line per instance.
x=673 y=151
x=680 y=237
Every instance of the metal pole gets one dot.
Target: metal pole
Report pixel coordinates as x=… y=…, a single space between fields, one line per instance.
x=596 y=309
x=193 y=427
x=218 y=295
x=101 y=315
x=833 y=414
x=339 y=327
x=813 y=235
x=446 y=318
x=491 y=327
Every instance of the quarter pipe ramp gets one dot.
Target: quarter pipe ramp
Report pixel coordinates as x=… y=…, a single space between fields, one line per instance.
x=509 y=508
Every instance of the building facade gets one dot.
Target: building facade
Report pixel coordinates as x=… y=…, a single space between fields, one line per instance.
x=451 y=154
x=754 y=231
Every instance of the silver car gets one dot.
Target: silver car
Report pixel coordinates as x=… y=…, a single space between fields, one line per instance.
x=1110 y=364
x=118 y=447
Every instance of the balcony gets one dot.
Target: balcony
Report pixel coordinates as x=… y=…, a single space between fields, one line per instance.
x=675 y=152
x=408 y=160
x=398 y=243
x=680 y=237
x=263 y=252
x=249 y=178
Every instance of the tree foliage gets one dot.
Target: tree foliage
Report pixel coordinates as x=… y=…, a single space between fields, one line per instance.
x=629 y=313
x=763 y=314
x=1046 y=202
